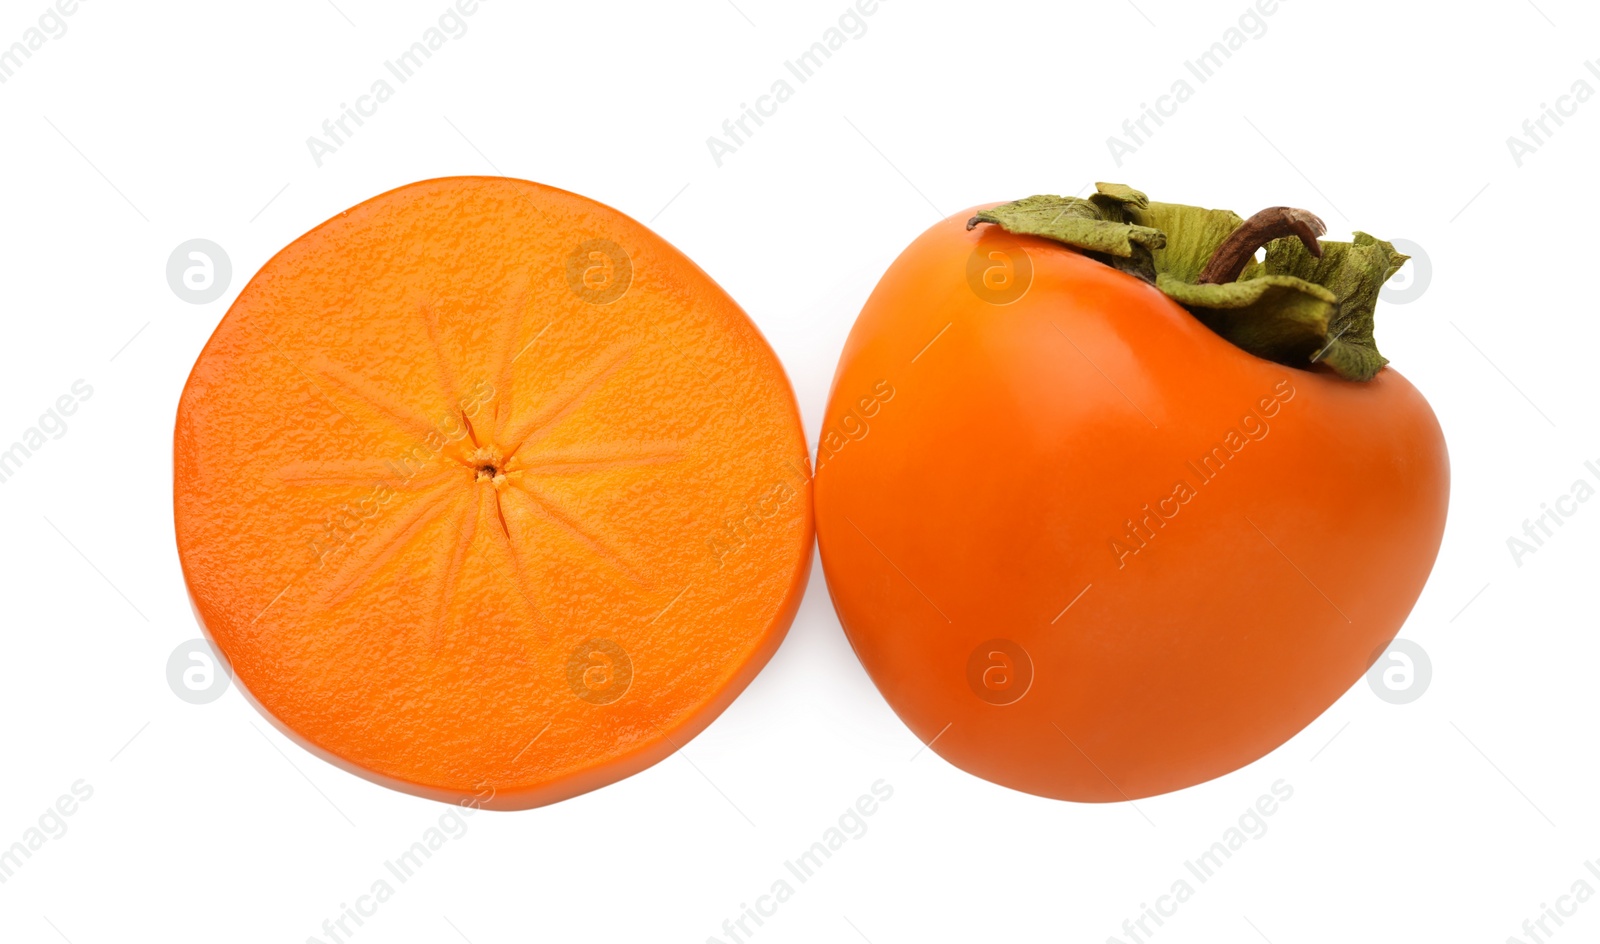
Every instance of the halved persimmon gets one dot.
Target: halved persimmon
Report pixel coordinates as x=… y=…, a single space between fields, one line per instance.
x=489 y=494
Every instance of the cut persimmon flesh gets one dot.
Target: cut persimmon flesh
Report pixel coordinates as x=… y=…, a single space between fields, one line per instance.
x=487 y=493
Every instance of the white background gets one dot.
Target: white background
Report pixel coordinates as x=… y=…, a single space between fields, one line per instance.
x=1451 y=818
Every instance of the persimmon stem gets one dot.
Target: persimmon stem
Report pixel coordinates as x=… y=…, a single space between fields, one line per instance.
x=1228 y=261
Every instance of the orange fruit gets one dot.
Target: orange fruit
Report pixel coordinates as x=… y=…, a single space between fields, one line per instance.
x=487 y=493
x=1089 y=549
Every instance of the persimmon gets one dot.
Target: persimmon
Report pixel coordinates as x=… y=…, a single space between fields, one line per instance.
x=487 y=493
x=1140 y=507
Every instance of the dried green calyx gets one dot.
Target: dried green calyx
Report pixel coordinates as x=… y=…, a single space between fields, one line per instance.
x=1307 y=302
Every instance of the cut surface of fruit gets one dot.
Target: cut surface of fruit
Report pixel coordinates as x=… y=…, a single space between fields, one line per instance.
x=489 y=494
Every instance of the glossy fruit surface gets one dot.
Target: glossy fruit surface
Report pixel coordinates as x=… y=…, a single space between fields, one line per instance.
x=489 y=494
x=1088 y=548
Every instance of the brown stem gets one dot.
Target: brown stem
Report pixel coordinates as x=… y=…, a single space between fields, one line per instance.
x=1228 y=261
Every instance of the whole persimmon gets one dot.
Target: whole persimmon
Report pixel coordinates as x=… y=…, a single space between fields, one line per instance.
x=1106 y=506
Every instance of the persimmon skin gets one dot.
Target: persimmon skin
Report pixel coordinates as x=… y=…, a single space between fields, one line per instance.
x=983 y=502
